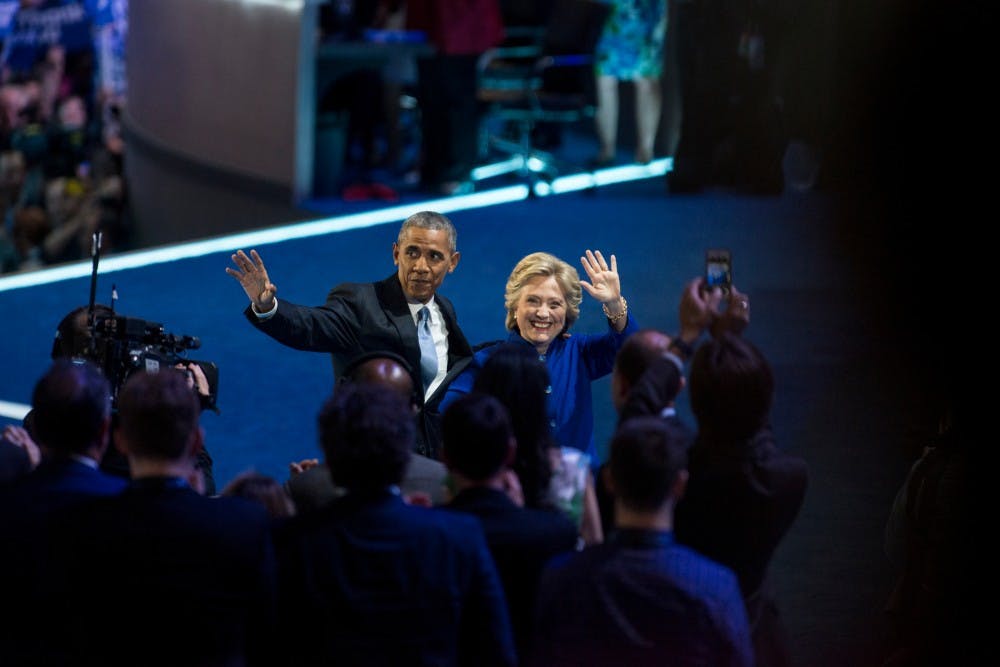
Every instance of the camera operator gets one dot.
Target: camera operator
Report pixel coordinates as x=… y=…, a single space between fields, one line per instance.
x=75 y=337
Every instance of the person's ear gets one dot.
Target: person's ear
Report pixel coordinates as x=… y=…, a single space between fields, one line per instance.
x=120 y=442
x=104 y=438
x=196 y=442
x=679 y=486
x=455 y=256
x=619 y=389
x=508 y=458
x=395 y=254
x=607 y=479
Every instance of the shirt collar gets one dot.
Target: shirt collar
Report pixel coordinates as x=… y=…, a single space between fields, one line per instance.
x=415 y=307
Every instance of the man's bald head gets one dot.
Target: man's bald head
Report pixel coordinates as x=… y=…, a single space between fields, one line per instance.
x=386 y=372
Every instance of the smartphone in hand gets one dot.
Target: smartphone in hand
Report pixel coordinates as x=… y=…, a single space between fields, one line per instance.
x=718 y=269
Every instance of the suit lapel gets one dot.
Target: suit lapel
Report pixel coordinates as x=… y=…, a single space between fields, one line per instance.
x=390 y=296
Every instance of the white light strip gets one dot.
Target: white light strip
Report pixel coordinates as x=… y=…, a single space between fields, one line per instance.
x=13 y=410
x=280 y=4
x=497 y=168
x=630 y=172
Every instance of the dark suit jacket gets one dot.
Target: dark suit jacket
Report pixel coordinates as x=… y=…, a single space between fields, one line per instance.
x=369 y=317
x=522 y=540
x=741 y=500
x=181 y=578
x=314 y=488
x=27 y=507
x=369 y=580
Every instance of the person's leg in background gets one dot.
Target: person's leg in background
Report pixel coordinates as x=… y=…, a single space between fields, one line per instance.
x=648 y=102
x=449 y=121
x=606 y=119
x=463 y=123
x=434 y=149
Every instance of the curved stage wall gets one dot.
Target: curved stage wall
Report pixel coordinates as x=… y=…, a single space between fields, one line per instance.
x=219 y=121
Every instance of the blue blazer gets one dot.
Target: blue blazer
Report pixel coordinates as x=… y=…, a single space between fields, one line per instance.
x=369 y=580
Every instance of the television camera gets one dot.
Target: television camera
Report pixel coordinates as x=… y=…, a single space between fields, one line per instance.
x=121 y=345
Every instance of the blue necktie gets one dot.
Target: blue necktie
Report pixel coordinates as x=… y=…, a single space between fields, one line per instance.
x=428 y=353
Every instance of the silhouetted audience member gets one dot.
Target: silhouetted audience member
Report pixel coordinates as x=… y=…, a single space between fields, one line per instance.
x=744 y=493
x=182 y=579
x=71 y=419
x=263 y=489
x=479 y=446
x=371 y=580
x=929 y=541
x=310 y=485
x=641 y=598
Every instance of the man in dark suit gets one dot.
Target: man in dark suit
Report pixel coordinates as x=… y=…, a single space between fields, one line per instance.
x=370 y=580
x=71 y=408
x=479 y=447
x=362 y=317
x=180 y=577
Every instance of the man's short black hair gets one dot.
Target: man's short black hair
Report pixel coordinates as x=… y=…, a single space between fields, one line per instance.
x=476 y=431
x=367 y=432
x=158 y=412
x=646 y=456
x=70 y=403
x=731 y=386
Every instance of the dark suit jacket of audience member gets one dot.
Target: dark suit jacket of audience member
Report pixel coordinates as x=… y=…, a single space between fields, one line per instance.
x=180 y=577
x=370 y=317
x=640 y=599
x=741 y=500
x=26 y=508
x=522 y=540
x=370 y=580
x=313 y=488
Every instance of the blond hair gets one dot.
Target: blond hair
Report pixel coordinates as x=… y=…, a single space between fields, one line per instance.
x=543 y=264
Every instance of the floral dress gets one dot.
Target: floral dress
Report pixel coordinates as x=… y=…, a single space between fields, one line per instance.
x=631 y=44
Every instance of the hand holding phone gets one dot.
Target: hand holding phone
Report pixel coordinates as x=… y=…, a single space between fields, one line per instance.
x=718 y=269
